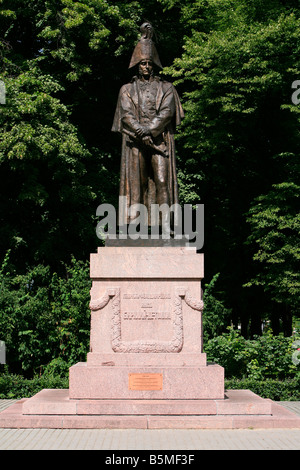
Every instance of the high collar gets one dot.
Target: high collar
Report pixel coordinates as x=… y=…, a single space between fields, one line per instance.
x=153 y=78
x=143 y=80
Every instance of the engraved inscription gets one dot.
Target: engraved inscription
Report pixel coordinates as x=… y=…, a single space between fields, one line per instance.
x=120 y=345
x=147 y=296
x=145 y=306
x=147 y=315
x=145 y=381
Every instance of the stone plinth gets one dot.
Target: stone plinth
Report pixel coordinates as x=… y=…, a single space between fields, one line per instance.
x=146 y=300
x=100 y=382
x=146 y=320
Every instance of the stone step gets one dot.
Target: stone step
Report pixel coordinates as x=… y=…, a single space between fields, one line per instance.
x=13 y=417
x=235 y=402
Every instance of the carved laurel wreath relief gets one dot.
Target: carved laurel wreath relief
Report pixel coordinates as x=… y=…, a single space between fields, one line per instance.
x=174 y=345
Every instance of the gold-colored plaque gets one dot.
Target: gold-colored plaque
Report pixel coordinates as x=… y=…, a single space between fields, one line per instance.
x=145 y=381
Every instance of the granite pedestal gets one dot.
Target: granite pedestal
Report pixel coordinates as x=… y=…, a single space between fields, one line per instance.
x=146 y=327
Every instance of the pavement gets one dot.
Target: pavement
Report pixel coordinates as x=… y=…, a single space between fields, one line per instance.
x=108 y=440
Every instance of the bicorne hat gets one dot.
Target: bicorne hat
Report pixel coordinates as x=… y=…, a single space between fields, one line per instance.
x=145 y=48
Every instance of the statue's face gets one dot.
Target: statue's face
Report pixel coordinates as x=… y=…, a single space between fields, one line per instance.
x=145 y=68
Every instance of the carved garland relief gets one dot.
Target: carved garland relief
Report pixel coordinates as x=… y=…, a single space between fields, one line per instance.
x=172 y=346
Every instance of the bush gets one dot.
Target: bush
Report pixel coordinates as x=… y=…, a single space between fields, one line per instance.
x=215 y=314
x=264 y=357
x=278 y=390
x=58 y=368
x=229 y=351
x=44 y=315
x=16 y=386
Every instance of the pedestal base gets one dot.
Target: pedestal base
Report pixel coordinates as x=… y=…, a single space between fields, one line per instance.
x=100 y=382
x=239 y=409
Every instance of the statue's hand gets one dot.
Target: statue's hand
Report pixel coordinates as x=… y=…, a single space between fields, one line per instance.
x=142 y=131
x=147 y=140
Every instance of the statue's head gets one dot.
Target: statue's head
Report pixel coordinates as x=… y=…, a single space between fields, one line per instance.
x=145 y=68
x=145 y=53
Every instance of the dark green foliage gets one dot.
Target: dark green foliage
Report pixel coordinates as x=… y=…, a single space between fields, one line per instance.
x=43 y=174
x=215 y=314
x=16 y=386
x=44 y=316
x=263 y=357
x=241 y=135
x=278 y=390
x=233 y=63
x=275 y=222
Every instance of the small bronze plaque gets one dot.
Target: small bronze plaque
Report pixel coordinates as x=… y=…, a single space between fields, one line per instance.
x=145 y=381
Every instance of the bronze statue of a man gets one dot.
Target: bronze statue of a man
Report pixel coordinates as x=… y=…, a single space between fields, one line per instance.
x=147 y=113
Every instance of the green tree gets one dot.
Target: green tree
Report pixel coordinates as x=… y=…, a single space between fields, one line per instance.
x=44 y=316
x=43 y=175
x=239 y=61
x=215 y=314
x=63 y=64
x=275 y=230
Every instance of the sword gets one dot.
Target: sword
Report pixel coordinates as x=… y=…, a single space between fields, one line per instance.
x=152 y=145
